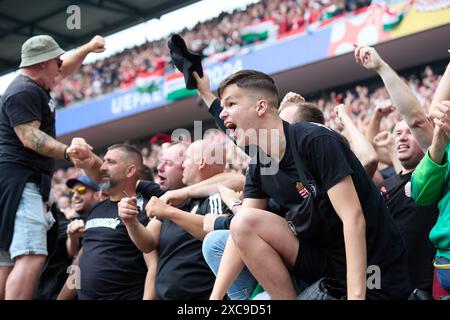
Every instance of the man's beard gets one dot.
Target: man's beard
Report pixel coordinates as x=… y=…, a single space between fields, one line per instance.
x=105 y=186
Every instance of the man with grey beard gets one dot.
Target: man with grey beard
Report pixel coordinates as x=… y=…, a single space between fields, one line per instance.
x=111 y=266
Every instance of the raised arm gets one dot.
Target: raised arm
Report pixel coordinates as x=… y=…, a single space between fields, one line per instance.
x=204 y=89
x=429 y=179
x=74 y=60
x=442 y=92
x=401 y=95
x=381 y=110
x=362 y=148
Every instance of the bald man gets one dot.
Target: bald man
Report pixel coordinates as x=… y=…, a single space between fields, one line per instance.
x=202 y=161
x=182 y=272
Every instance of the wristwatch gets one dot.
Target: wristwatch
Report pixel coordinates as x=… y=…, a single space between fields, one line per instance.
x=66 y=155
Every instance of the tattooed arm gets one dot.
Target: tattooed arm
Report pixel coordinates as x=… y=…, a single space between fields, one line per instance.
x=35 y=139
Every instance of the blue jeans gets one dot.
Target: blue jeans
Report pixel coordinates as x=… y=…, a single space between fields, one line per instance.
x=213 y=247
x=442 y=266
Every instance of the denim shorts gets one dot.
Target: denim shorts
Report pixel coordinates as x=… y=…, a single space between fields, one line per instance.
x=31 y=224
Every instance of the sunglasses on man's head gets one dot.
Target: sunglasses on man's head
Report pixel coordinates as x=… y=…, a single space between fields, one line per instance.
x=81 y=190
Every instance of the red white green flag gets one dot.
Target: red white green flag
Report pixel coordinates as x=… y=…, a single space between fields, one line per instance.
x=149 y=82
x=392 y=18
x=175 y=87
x=258 y=31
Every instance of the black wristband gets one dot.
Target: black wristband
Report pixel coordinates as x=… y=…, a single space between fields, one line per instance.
x=66 y=156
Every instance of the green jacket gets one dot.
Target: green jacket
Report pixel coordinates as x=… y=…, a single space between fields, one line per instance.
x=430 y=184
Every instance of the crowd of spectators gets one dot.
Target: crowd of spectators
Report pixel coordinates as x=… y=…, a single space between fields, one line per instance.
x=208 y=38
x=360 y=101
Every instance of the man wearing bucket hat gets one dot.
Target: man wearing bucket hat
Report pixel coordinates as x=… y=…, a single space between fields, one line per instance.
x=27 y=152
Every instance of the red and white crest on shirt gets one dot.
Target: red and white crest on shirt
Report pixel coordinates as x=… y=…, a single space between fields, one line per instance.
x=304 y=193
x=408 y=189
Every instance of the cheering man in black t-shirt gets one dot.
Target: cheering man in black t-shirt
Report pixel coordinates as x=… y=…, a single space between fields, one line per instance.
x=111 y=266
x=413 y=136
x=415 y=222
x=355 y=231
x=27 y=150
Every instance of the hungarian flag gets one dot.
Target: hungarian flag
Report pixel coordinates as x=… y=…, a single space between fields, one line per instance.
x=175 y=87
x=258 y=31
x=392 y=18
x=149 y=82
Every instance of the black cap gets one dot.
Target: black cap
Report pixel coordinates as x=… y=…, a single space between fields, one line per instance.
x=185 y=60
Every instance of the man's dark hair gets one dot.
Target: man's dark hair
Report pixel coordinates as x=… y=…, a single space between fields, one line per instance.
x=251 y=79
x=306 y=111
x=130 y=150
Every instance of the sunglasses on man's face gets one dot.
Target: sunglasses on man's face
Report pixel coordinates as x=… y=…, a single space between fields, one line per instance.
x=80 y=190
x=60 y=62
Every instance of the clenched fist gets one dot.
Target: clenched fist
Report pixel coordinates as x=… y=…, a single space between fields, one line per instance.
x=128 y=210
x=97 y=44
x=75 y=229
x=156 y=208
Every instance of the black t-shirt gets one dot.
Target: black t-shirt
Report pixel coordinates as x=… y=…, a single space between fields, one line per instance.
x=149 y=189
x=111 y=266
x=54 y=274
x=415 y=223
x=328 y=160
x=388 y=172
x=182 y=272
x=25 y=101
